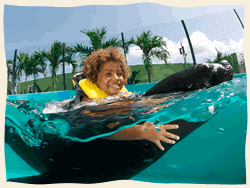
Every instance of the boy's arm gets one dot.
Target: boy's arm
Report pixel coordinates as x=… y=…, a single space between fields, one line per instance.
x=147 y=131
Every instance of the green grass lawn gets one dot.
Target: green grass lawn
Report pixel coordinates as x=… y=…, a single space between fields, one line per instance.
x=159 y=72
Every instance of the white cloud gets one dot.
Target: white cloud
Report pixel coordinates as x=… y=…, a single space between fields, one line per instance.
x=134 y=51
x=238 y=47
x=204 y=49
x=173 y=49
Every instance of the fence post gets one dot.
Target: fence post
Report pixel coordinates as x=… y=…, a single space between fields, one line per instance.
x=182 y=52
x=189 y=41
x=124 y=46
x=64 y=66
x=14 y=73
x=239 y=19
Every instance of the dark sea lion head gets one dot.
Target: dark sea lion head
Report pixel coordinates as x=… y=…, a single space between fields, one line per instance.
x=220 y=72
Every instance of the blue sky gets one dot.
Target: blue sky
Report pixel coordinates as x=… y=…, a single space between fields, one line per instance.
x=29 y=28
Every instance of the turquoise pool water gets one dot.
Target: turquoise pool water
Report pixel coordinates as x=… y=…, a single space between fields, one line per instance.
x=214 y=153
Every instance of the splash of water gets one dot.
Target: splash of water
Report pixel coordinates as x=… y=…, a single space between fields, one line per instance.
x=204 y=104
x=192 y=107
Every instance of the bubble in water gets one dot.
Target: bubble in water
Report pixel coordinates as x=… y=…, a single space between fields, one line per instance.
x=221 y=131
x=237 y=80
x=11 y=130
x=211 y=109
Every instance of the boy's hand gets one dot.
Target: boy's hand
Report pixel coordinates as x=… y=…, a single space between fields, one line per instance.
x=158 y=133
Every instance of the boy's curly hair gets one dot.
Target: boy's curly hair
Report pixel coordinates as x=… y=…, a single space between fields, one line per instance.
x=93 y=63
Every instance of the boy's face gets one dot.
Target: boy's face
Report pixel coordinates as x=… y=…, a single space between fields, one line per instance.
x=110 y=78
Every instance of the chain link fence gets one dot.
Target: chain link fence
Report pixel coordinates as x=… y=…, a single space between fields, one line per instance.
x=221 y=31
x=209 y=34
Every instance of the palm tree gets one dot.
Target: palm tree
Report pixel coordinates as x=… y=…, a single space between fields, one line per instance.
x=9 y=63
x=97 y=41
x=24 y=64
x=54 y=56
x=31 y=65
x=41 y=61
x=220 y=57
x=126 y=45
x=35 y=67
x=18 y=73
x=70 y=59
x=152 y=47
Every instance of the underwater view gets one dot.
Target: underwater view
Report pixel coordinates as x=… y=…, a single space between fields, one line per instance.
x=211 y=152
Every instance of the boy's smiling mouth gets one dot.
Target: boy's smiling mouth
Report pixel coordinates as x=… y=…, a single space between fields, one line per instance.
x=115 y=85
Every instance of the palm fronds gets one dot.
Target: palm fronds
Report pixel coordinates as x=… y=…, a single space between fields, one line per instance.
x=152 y=47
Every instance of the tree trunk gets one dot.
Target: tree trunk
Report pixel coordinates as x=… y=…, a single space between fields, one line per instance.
x=8 y=77
x=35 y=84
x=26 y=77
x=19 y=86
x=148 y=69
x=53 y=83
x=185 y=63
x=149 y=79
x=8 y=85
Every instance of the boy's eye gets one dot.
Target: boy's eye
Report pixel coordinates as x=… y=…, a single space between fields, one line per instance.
x=108 y=74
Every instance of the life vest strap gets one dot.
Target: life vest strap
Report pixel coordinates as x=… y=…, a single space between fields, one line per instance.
x=77 y=78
